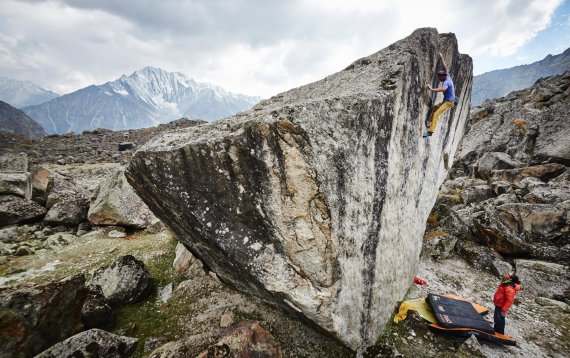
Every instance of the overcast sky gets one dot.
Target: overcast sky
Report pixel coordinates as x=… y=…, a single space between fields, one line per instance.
x=257 y=47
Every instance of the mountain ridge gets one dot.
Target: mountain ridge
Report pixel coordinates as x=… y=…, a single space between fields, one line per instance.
x=20 y=94
x=16 y=121
x=499 y=83
x=147 y=97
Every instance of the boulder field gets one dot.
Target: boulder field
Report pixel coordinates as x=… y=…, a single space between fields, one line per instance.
x=316 y=200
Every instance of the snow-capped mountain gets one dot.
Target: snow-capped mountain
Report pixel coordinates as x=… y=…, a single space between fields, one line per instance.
x=23 y=93
x=147 y=97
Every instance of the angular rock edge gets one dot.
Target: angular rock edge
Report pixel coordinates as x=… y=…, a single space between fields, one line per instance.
x=316 y=200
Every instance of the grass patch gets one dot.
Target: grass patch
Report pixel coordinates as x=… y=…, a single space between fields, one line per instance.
x=453 y=198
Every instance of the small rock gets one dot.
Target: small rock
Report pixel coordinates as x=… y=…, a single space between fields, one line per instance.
x=471 y=347
x=96 y=313
x=3 y=260
x=116 y=234
x=24 y=251
x=543 y=301
x=152 y=343
x=499 y=268
x=166 y=293
x=93 y=343
x=227 y=319
x=59 y=240
x=126 y=280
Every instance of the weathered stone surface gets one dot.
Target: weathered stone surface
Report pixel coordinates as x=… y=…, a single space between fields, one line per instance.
x=546 y=279
x=529 y=127
x=494 y=161
x=245 y=339
x=500 y=268
x=186 y=263
x=478 y=256
x=59 y=240
x=316 y=199
x=438 y=247
x=96 y=313
x=126 y=280
x=67 y=203
x=16 y=184
x=476 y=194
x=536 y=230
x=543 y=172
x=553 y=303
x=118 y=204
x=93 y=343
x=14 y=163
x=33 y=318
x=14 y=210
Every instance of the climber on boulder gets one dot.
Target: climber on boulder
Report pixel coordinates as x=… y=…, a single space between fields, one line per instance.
x=449 y=99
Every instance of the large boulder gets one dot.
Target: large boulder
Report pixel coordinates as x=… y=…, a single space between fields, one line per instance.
x=14 y=163
x=494 y=161
x=96 y=312
x=245 y=339
x=15 y=209
x=546 y=279
x=93 y=343
x=118 y=204
x=67 y=203
x=543 y=172
x=317 y=199
x=126 y=280
x=32 y=318
x=534 y=230
x=16 y=184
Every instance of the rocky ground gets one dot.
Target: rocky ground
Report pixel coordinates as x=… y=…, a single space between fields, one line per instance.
x=95 y=146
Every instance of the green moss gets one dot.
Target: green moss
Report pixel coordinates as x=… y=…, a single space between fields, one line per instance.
x=152 y=318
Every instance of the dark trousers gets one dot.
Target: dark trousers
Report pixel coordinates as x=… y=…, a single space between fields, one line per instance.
x=499 y=321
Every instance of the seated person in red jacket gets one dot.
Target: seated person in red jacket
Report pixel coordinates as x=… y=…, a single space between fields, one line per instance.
x=504 y=298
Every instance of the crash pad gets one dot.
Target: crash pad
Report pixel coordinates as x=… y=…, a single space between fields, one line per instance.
x=480 y=309
x=452 y=313
x=419 y=305
x=460 y=318
x=466 y=332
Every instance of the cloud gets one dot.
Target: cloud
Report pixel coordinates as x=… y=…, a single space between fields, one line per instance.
x=249 y=46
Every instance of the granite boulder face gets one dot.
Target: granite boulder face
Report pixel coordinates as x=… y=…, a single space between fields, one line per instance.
x=316 y=200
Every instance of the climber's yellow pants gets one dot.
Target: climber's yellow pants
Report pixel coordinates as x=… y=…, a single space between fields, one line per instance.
x=438 y=110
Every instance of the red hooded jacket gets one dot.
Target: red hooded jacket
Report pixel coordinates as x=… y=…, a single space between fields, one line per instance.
x=505 y=295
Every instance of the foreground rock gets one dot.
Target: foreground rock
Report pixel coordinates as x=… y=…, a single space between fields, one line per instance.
x=35 y=317
x=544 y=279
x=15 y=209
x=126 y=280
x=118 y=204
x=93 y=343
x=316 y=199
x=244 y=339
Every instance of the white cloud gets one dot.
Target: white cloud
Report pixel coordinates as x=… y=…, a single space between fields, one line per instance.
x=249 y=46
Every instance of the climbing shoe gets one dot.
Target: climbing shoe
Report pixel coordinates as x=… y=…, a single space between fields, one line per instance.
x=427 y=134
